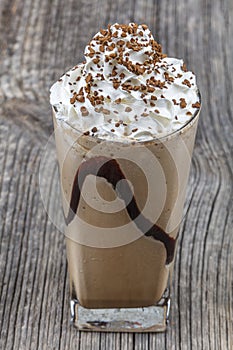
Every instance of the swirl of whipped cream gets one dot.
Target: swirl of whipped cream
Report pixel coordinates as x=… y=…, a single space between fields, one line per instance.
x=127 y=89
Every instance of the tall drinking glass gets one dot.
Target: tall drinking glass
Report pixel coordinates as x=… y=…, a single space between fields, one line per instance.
x=123 y=203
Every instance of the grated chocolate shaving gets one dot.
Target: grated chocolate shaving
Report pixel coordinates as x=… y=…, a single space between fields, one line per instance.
x=183 y=103
x=187 y=83
x=84 y=111
x=196 y=105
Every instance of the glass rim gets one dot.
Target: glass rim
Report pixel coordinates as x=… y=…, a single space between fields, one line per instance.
x=129 y=142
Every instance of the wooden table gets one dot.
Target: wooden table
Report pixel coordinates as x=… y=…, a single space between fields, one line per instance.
x=39 y=41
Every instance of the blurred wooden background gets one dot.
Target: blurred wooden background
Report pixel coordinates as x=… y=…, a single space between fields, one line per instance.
x=39 y=41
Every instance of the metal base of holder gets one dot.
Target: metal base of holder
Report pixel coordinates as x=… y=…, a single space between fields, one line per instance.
x=144 y=319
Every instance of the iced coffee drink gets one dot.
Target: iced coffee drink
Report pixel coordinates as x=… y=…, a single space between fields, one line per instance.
x=125 y=121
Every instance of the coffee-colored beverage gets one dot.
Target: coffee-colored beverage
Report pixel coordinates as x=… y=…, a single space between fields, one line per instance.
x=125 y=124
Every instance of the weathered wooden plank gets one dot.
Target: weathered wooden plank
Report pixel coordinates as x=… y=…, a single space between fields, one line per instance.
x=40 y=40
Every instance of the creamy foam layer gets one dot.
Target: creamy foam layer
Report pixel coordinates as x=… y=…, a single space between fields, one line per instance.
x=127 y=89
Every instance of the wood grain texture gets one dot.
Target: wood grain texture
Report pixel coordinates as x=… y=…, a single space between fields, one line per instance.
x=39 y=41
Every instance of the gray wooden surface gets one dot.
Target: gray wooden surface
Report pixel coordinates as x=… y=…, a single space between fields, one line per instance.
x=39 y=41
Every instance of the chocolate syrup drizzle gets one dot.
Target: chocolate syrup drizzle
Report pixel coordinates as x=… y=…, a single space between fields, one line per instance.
x=109 y=169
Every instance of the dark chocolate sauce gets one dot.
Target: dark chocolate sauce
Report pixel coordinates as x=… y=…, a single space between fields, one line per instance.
x=109 y=169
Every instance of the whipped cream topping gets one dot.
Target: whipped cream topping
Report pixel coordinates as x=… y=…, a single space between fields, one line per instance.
x=126 y=89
